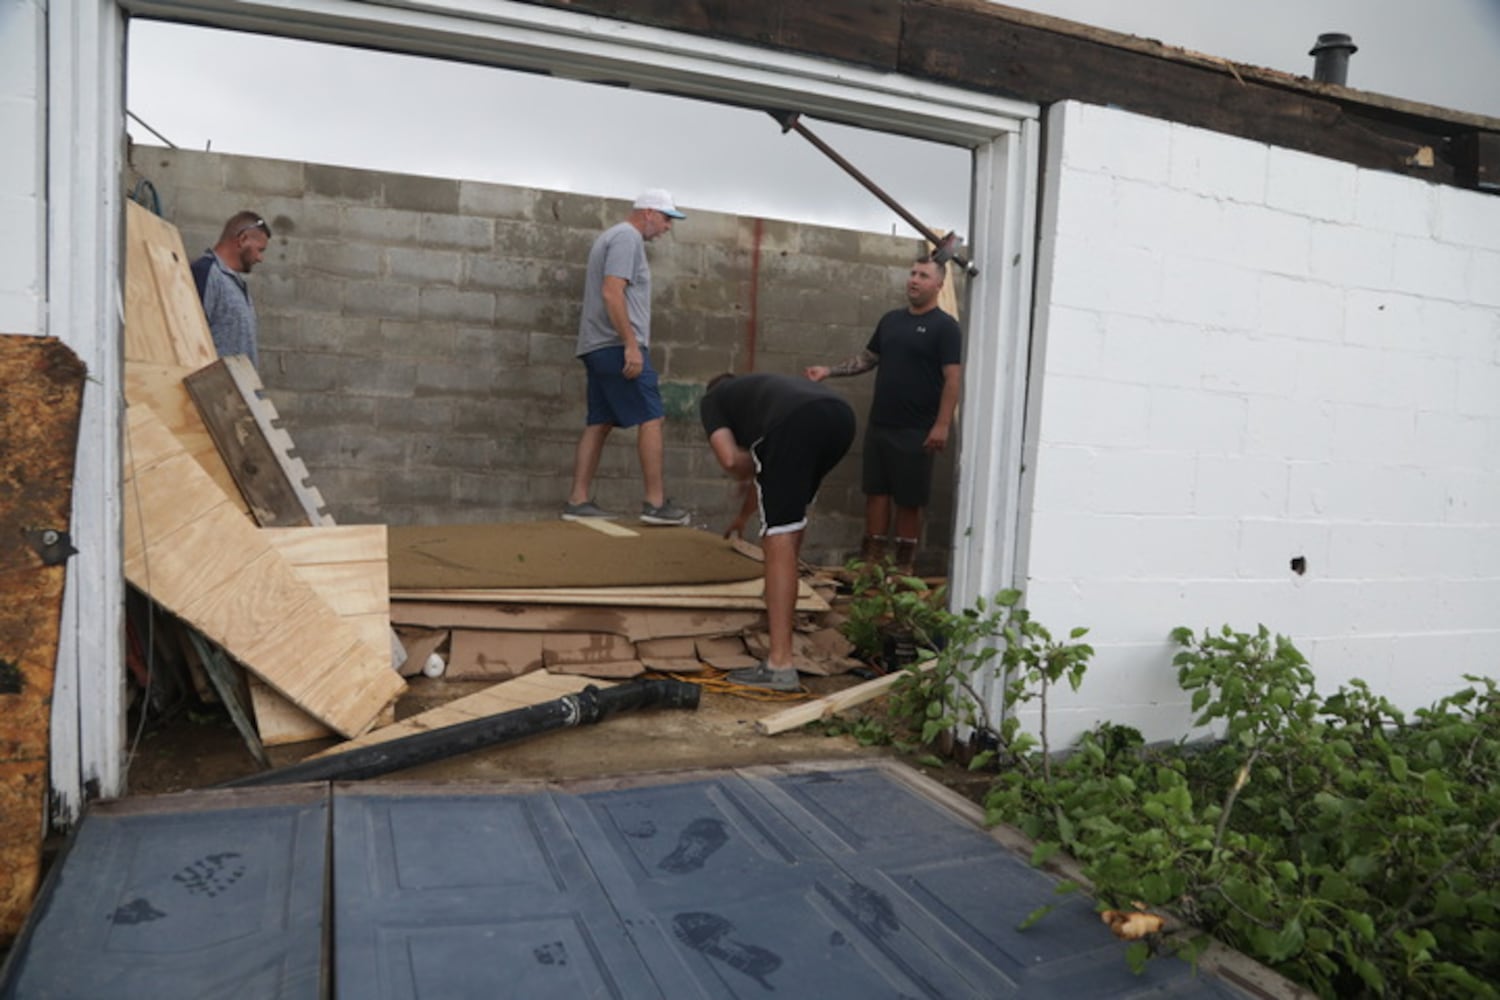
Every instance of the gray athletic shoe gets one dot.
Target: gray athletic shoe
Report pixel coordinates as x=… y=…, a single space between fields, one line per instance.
x=667 y=513
x=584 y=511
x=763 y=676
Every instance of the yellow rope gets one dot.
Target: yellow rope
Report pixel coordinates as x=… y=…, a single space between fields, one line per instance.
x=717 y=682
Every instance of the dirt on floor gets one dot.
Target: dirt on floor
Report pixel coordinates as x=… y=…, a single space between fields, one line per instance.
x=202 y=749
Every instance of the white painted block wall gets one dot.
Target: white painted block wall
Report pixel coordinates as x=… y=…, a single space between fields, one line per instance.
x=1244 y=355
x=22 y=250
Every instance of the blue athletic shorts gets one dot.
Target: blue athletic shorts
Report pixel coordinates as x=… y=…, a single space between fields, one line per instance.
x=615 y=399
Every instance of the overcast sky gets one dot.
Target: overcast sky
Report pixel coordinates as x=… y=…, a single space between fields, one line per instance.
x=324 y=104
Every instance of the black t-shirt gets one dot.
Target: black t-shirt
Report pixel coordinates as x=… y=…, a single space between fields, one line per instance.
x=750 y=405
x=913 y=351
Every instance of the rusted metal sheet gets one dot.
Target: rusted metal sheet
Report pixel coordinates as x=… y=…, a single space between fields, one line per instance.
x=39 y=415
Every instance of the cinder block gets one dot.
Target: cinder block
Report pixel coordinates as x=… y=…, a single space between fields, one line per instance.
x=1300 y=429
x=1165 y=218
x=346 y=184
x=1105 y=278
x=1111 y=141
x=1074 y=342
x=1221 y=296
x=1312 y=186
x=21 y=126
x=447 y=304
x=457 y=232
x=382 y=299
x=21 y=252
x=1484 y=278
x=1267 y=550
x=1466 y=218
x=377 y=376
x=1194 y=421
x=258 y=175
x=497 y=201
x=1431 y=269
x=336 y=257
x=445 y=379
x=1263 y=239
x=1245 y=363
x=1218 y=166
x=1450 y=440
x=421 y=194
x=1155 y=353
x=1390 y=203
x=422 y=266
x=1375 y=434
x=380 y=225
x=21 y=311
x=1094 y=412
x=1238 y=487
x=414 y=415
x=1301 y=309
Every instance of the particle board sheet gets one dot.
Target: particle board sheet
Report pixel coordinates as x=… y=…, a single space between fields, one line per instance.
x=212 y=894
x=635 y=623
x=834 y=884
x=164 y=321
x=39 y=419
x=520 y=692
x=192 y=551
x=541 y=554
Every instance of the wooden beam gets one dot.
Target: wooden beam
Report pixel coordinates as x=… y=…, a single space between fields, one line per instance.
x=826 y=708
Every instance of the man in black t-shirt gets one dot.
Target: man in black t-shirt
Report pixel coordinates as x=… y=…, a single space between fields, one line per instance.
x=918 y=354
x=779 y=436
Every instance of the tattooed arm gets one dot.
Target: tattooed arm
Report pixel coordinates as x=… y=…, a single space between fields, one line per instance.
x=858 y=364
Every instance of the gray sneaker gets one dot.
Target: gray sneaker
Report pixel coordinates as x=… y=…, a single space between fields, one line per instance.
x=667 y=513
x=584 y=511
x=763 y=676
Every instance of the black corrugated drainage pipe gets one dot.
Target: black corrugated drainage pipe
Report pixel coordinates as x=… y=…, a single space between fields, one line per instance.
x=590 y=705
x=1331 y=57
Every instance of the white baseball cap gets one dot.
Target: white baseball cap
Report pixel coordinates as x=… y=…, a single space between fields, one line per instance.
x=660 y=200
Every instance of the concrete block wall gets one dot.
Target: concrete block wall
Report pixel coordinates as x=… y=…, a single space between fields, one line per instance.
x=22 y=168
x=417 y=336
x=1247 y=356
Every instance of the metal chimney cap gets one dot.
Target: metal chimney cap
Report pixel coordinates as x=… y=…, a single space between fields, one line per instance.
x=1334 y=40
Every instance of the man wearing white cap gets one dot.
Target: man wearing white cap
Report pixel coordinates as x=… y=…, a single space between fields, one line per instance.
x=614 y=337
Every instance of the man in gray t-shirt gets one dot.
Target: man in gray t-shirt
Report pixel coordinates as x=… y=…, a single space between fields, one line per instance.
x=614 y=337
x=219 y=275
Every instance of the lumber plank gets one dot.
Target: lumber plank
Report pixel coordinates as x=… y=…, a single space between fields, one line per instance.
x=247 y=454
x=520 y=692
x=39 y=423
x=216 y=571
x=831 y=705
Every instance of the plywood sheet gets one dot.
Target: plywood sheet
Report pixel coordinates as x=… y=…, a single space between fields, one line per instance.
x=161 y=388
x=164 y=321
x=345 y=564
x=194 y=553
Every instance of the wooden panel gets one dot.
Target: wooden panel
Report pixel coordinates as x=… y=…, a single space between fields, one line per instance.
x=164 y=321
x=346 y=565
x=521 y=692
x=247 y=454
x=39 y=419
x=217 y=572
x=161 y=388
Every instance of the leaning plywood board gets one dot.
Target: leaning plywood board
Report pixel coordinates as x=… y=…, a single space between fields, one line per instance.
x=39 y=418
x=636 y=624
x=192 y=551
x=522 y=692
x=161 y=388
x=746 y=594
x=346 y=565
x=164 y=321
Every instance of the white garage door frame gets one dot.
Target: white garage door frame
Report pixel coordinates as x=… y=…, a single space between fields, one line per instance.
x=87 y=47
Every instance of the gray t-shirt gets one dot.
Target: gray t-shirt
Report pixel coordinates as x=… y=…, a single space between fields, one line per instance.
x=228 y=309
x=619 y=252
